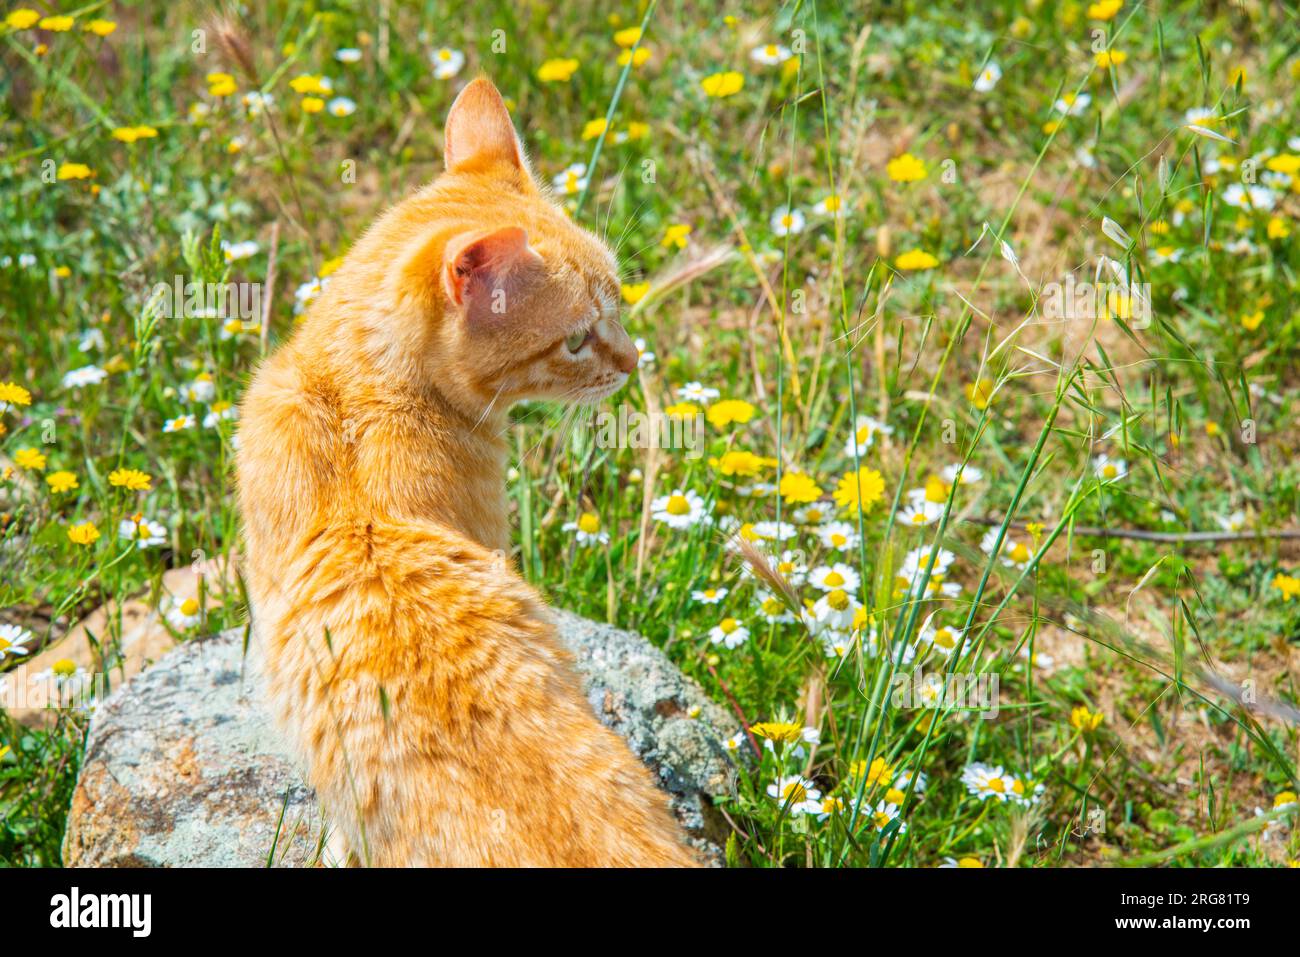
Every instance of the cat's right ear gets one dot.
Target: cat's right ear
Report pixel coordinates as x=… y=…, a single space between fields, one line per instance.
x=480 y=133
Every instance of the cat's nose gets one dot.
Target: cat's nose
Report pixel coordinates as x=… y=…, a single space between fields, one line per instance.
x=622 y=351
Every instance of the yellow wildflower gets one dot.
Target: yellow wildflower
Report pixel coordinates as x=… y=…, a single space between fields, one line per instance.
x=557 y=71
x=798 y=488
x=1085 y=720
x=906 y=169
x=861 y=489
x=915 y=259
x=720 y=85
x=13 y=394
x=61 y=481
x=675 y=235
x=22 y=18
x=29 y=459
x=132 y=479
x=84 y=534
x=721 y=414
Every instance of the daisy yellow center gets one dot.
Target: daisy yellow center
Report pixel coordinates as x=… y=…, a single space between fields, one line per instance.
x=996 y=785
x=785 y=568
x=838 y=540
x=770 y=49
x=1109 y=470
x=881 y=819
x=1020 y=553
x=838 y=599
x=64 y=667
x=4 y=644
x=677 y=505
x=943 y=638
x=918 y=518
x=589 y=523
x=189 y=606
x=771 y=606
x=936 y=491
x=787 y=220
x=864 y=433
x=444 y=55
x=728 y=625
x=834 y=579
x=894 y=796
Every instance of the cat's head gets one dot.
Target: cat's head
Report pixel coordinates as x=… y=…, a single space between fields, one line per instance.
x=513 y=299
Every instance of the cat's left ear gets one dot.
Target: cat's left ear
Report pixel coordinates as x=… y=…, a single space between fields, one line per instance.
x=480 y=133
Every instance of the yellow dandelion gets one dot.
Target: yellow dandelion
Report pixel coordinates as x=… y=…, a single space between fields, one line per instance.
x=84 y=534
x=61 y=481
x=859 y=490
x=721 y=414
x=29 y=459
x=906 y=169
x=132 y=479
x=557 y=71
x=915 y=259
x=799 y=489
x=721 y=85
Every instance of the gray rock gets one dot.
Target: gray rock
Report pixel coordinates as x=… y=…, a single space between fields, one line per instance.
x=183 y=769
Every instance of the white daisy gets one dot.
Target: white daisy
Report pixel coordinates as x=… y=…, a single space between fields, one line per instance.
x=348 y=55
x=836 y=610
x=241 y=250
x=446 y=62
x=729 y=632
x=770 y=531
x=840 y=536
x=644 y=357
x=572 y=180
x=341 y=106
x=13 y=640
x=772 y=610
x=709 y=596
x=179 y=424
x=985 y=781
x=86 y=375
x=831 y=577
x=864 y=434
x=813 y=514
x=794 y=790
x=1108 y=469
x=1235 y=522
x=220 y=412
x=586 y=530
x=988 y=77
x=787 y=221
x=695 y=392
x=145 y=533
x=681 y=508
x=186 y=614
x=771 y=54
x=202 y=389
x=91 y=339
x=1249 y=196
x=1071 y=104
x=970 y=475
x=921 y=513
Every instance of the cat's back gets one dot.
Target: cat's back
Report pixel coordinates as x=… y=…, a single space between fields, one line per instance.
x=287 y=464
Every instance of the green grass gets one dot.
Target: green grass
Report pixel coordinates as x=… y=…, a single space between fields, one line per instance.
x=813 y=329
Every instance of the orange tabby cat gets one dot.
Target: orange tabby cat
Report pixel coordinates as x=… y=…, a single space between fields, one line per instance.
x=438 y=717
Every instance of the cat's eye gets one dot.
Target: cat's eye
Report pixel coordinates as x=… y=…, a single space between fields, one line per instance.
x=575 y=340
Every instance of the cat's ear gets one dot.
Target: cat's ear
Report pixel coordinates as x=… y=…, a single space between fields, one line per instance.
x=482 y=271
x=479 y=131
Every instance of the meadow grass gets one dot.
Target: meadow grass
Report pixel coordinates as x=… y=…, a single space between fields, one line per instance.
x=989 y=560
